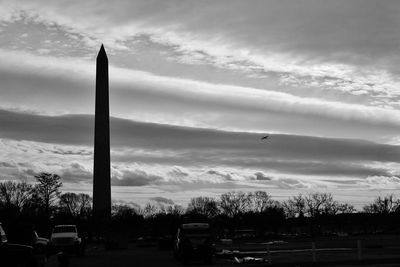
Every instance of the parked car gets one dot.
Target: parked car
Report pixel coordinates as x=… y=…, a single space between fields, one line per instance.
x=26 y=235
x=16 y=254
x=194 y=241
x=65 y=238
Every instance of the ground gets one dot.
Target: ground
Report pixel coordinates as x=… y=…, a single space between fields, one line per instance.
x=132 y=256
x=152 y=256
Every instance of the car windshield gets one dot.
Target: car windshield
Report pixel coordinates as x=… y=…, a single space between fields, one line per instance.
x=64 y=229
x=196 y=232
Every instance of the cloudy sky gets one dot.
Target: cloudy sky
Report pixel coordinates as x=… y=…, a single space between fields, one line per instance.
x=194 y=85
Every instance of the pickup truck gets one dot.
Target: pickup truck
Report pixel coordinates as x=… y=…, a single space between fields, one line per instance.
x=65 y=238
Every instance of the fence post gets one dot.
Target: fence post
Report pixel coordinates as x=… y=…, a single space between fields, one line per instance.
x=359 y=249
x=313 y=252
x=269 y=254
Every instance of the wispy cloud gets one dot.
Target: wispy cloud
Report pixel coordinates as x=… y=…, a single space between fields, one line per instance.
x=161 y=99
x=325 y=54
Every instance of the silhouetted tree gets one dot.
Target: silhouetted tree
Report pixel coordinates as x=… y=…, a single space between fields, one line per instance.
x=319 y=203
x=48 y=189
x=127 y=219
x=260 y=201
x=123 y=211
x=172 y=210
x=385 y=205
x=15 y=195
x=234 y=203
x=77 y=205
x=204 y=206
x=295 y=206
x=150 y=210
x=334 y=207
x=315 y=204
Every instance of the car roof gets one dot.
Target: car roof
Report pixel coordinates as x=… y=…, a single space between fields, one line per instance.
x=195 y=225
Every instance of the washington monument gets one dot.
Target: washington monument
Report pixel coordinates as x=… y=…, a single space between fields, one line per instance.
x=101 y=168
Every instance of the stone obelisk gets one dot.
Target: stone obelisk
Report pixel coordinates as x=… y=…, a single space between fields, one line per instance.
x=101 y=168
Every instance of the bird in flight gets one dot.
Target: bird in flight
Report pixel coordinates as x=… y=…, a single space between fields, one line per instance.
x=264 y=137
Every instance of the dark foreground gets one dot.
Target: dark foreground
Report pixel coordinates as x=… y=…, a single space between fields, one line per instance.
x=132 y=256
x=152 y=256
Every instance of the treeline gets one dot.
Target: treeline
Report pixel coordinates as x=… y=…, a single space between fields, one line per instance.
x=43 y=205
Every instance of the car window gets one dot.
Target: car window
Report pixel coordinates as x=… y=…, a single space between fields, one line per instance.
x=3 y=235
x=64 y=229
